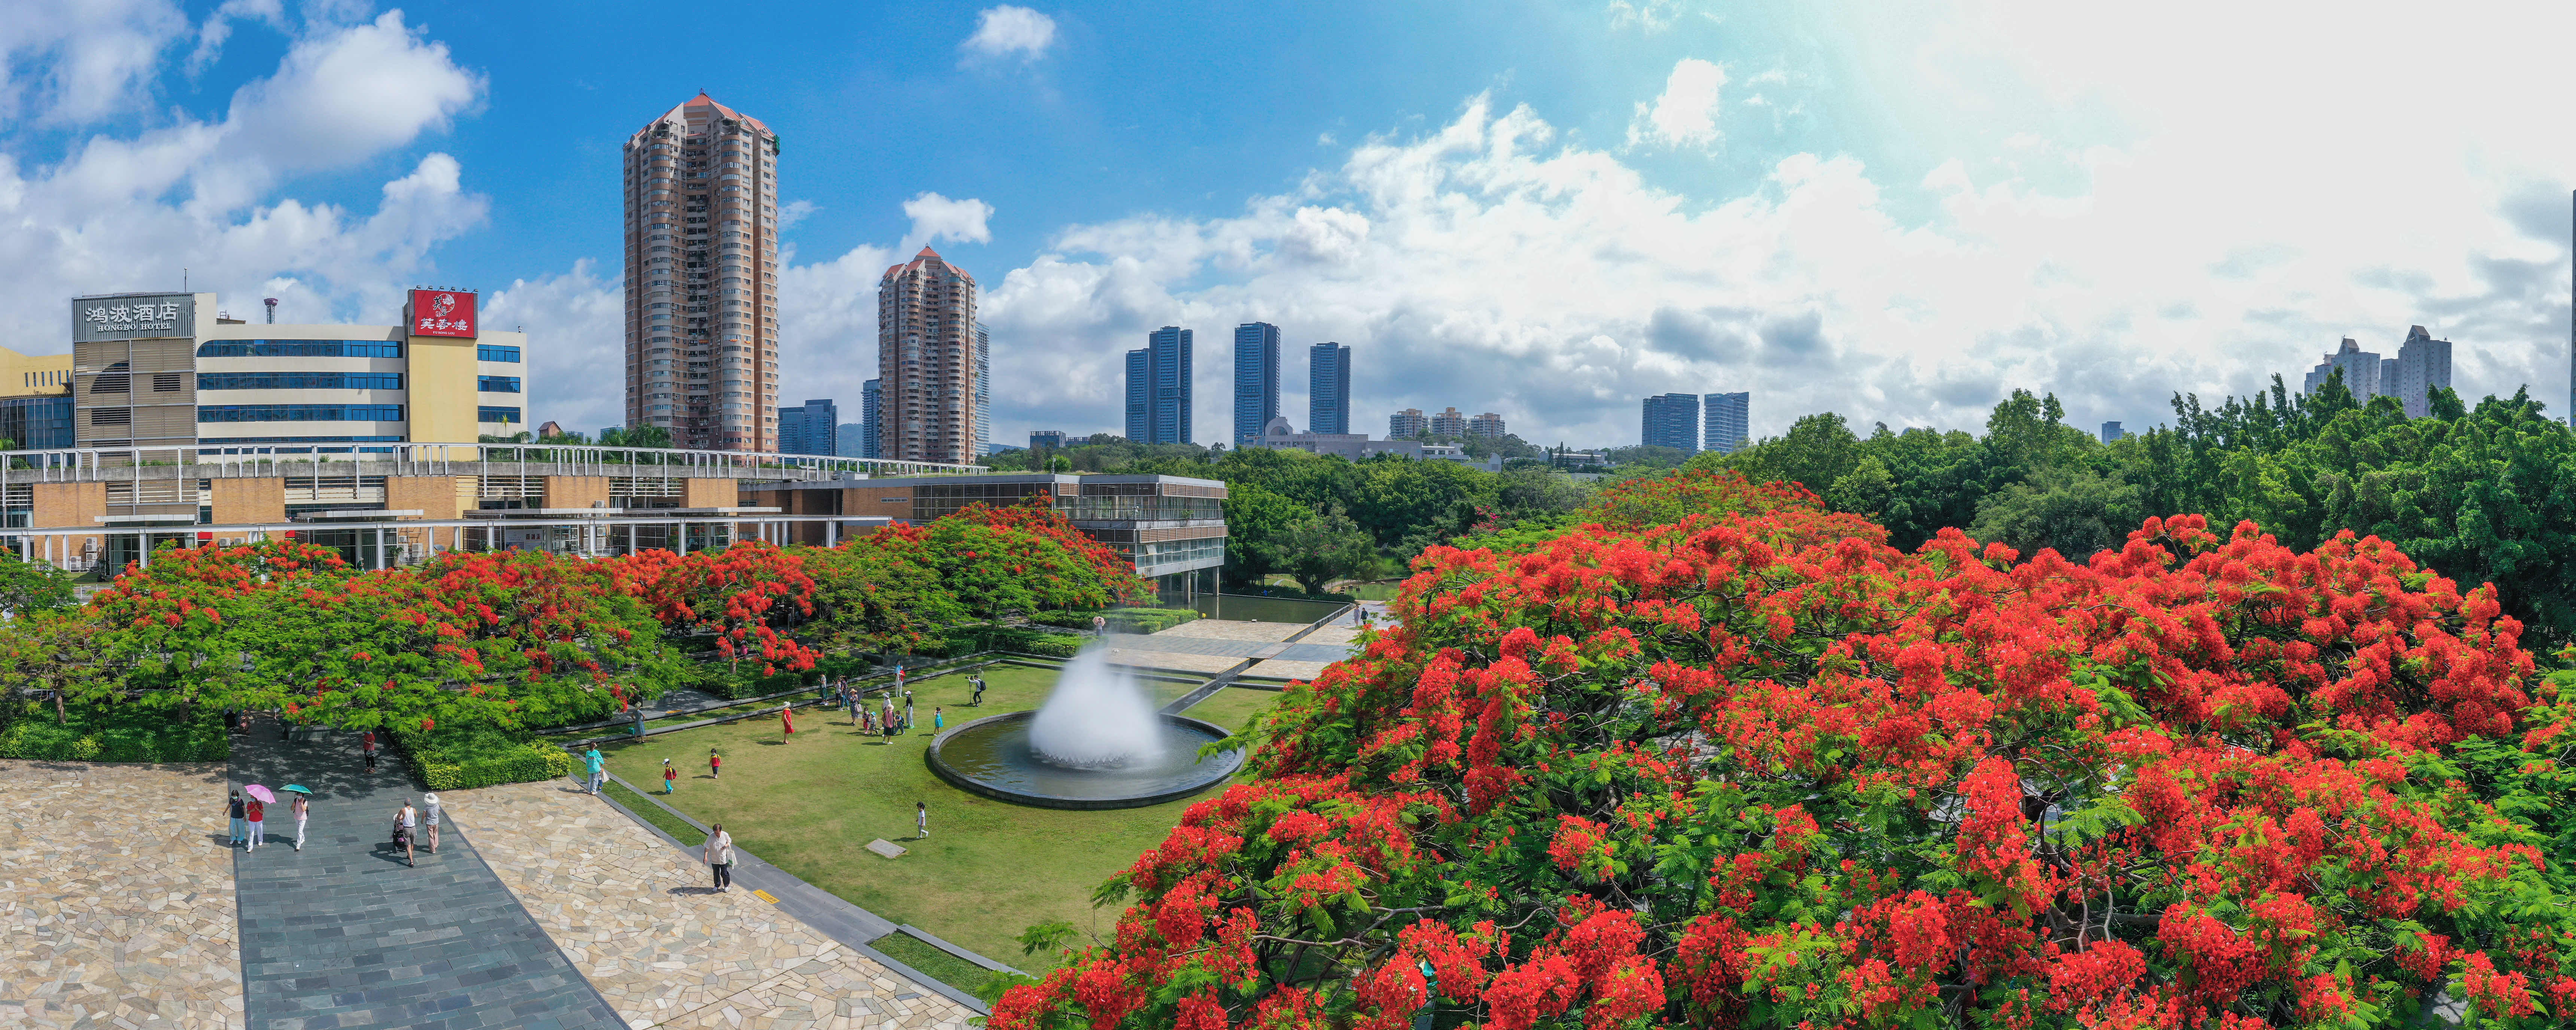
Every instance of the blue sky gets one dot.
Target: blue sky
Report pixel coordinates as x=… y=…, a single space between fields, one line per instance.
x=1542 y=209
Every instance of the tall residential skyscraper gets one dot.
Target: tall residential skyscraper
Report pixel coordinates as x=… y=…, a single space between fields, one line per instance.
x=1158 y=388
x=1406 y=424
x=927 y=359
x=1256 y=379
x=871 y=409
x=809 y=428
x=1449 y=424
x=1728 y=420
x=1672 y=420
x=983 y=392
x=2112 y=433
x=2422 y=365
x=702 y=278
x=1328 y=388
x=1488 y=425
x=2360 y=370
x=1140 y=395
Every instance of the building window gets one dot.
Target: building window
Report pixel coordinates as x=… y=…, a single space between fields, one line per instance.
x=299 y=381
x=165 y=382
x=299 y=413
x=495 y=413
x=497 y=384
x=489 y=352
x=118 y=378
x=300 y=349
x=111 y=416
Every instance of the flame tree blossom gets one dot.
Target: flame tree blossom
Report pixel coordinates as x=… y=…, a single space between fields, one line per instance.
x=1750 y=766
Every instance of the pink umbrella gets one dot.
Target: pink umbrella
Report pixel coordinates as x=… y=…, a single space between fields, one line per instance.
x=260 y=792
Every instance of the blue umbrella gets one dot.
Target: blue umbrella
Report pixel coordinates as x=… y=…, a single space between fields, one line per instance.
x=297 y=788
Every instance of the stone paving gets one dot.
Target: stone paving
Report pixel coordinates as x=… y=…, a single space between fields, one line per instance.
x=116 y=897
x=1229 y=629
x=345 y=933
x=640 y=921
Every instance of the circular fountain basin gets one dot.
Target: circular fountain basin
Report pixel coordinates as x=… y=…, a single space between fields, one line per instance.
x=991 y=757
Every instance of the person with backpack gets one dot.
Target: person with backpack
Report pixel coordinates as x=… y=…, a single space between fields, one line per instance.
x=715 y=765
x=367 y=747
x=670 y=777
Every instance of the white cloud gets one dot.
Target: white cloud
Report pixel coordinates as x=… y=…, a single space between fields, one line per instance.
x=1649 y=15
x=129 y=212
x=218 y=27
x=1685 y=114
x=795 y=211
x=72 y=61
x=936 y=218
x=1009 y=30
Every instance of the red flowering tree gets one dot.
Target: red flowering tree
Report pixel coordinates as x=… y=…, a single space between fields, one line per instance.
x=1760 y=769
x=746 y=595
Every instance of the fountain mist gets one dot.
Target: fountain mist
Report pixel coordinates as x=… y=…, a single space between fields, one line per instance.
x=1097 y=717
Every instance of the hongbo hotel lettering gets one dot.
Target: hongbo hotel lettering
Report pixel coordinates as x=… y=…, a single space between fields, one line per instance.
x=132 y=318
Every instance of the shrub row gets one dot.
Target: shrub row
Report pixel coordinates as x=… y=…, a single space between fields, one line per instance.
x=114 y=736
x=479 y=757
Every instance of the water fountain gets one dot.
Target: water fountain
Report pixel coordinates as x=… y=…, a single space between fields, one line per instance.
x=1097 y=742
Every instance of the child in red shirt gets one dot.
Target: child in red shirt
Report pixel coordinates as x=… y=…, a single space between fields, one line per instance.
x=670 y=777
x=715 y=764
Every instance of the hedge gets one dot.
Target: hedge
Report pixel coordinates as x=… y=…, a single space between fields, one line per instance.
x=463 y=759
x=115 y=735
x=1124 y=620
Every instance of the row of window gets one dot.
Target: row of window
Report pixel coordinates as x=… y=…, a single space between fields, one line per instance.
x=300 y=349
x=497 y=384
x=495 y=413
x=299 y=381
x=491 y=352
x=299 y=413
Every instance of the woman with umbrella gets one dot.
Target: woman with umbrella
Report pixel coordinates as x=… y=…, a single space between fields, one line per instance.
x=303 y=810
x=256 y=813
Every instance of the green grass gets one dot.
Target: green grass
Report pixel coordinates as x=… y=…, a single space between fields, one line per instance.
x=1233 y=707
x=679 y=831
x=989 y=869
x=934 y=963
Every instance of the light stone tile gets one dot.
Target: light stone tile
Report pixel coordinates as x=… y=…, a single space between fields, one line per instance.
x=116 y=896
x=1281 y=668
x=657 y=944
x=1229 y=629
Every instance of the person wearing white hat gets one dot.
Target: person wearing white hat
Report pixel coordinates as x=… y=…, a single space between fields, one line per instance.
x=429 y=816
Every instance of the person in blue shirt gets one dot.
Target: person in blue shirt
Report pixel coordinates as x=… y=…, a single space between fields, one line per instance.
x=598 y=769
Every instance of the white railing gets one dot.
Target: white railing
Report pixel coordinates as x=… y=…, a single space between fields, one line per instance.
x=210 y=459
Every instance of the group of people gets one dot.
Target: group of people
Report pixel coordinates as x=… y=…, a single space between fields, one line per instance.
x=407 y=824
x=250 y=820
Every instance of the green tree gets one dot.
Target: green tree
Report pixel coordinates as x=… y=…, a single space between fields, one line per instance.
x=2076 y=513
x=1257 y=523
x=27 y=586
x=1325 y=548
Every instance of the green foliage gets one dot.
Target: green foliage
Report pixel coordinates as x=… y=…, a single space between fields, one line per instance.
x=2075 y=512
x=1320 y=550
x=27 y=586
x=118 y=733
x=465 y=757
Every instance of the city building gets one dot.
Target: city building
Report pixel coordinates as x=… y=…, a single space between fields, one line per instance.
x=928 y=357
x=167 y=369
x=2112 y=433
x=1407 y=424
x=809 y=428
x=1046 y=439
x=1453 y=452
x=549 y=429
x=2360 y=370
x=2422 y=365
x=871 y=419
x=1672 y=420
x=1256 y=378
x=1729 y=419
x=702 y=278
x=1449 y=424
x=850 y=440
x=1328 y=388
x=983 y=391
x=1173 y=528
x=37 y=421
x=28 y=375
x=1158 y=388
x=1278 y=434
x=1487 y=425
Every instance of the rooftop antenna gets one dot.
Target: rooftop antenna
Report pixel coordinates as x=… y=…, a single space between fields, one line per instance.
x=272 y=310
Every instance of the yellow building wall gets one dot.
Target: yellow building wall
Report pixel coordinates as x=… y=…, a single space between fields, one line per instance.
x=23 y=375
x=442 y=390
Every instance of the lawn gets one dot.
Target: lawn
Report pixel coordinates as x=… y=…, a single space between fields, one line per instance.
x=988 y=871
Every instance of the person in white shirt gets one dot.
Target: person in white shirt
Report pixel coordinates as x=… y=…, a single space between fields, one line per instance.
x=429 y=807
x=303 y=810
x=719 y=857
x=404 y=820
x=921 y=818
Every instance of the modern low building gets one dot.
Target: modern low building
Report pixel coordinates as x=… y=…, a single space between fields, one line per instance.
x=1354 y=446
x=1171 y=527
x=1053 y=438
x=164 y=370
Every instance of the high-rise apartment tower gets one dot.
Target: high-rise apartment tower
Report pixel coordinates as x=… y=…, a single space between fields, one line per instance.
x=1449 y=424
x=983 y=392
x=702 y=278
x=1407 y=424
x=928 y=362
x=1328 y=388
x=810 y=428
x=1158 y=388
x=1488 y=425
x=1256 y=379
x=871 y=409
x=1672 y=420
x=1728 y=418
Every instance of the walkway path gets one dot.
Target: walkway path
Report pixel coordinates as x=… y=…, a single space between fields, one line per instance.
x=116 y=897
x=640 y=920
x=343 y=934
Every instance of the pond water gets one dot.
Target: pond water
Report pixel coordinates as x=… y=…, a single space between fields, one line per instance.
x=1242 y=607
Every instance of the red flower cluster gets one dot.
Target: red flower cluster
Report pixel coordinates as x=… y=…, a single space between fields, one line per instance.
x=1749 y=766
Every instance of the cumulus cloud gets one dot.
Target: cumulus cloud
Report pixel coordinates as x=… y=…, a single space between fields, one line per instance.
x=130 y=211
x=936 y=218
x=1649 y=15
x=1010 y=31
x=1685 y=113
x=71 y=61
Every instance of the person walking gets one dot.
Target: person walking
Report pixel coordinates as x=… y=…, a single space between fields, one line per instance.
x=715 y=765
x=977 y=681
x=938 y=721
x=405 y=819
x=303 y=811
x=240 y=830
x=719 y=857
x=670 y=777
x=907 y=711
x=787 y=721
x=885 y=721
x=1099 y=626
x=921 y=819
x=257 y=816
x=367 y=747
x=429 y=809
x=598 y=769
x=850 y=700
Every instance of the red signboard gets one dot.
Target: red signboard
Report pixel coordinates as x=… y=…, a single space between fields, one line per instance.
x=442 y=313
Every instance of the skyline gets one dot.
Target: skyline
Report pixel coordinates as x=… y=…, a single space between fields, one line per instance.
x=1558 y=208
